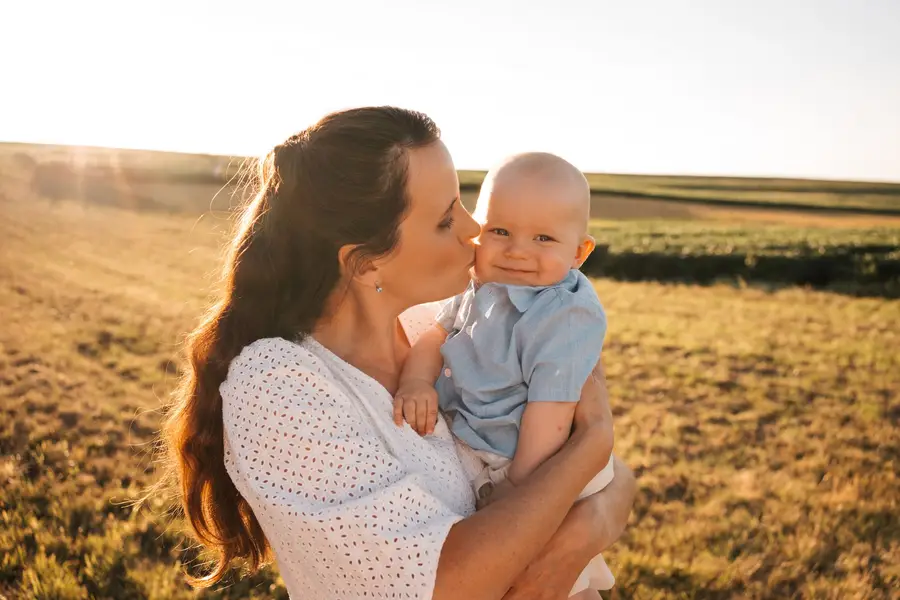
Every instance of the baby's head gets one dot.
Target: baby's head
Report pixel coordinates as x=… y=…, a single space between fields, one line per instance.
x=534 y=210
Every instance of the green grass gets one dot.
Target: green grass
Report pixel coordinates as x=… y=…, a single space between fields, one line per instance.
x=762 y=425
x=693 y=237
x=862 y=260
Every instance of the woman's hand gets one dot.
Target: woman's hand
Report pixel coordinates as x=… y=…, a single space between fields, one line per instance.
x=551 y=540
x=592 y=525
x=593 y=417
x=608 y=510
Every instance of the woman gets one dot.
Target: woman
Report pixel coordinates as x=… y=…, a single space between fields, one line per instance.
x=283 y=439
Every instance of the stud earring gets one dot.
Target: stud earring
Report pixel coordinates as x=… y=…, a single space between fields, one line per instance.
x=378 y=288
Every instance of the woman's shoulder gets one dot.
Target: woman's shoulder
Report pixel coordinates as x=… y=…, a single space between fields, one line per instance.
x=417 y=319
x=277 y=369
x=266 y=355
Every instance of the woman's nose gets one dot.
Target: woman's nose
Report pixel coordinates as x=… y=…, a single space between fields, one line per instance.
x=470 y=228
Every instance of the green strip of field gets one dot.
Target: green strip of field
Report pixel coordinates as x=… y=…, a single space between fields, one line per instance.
x=862 y=261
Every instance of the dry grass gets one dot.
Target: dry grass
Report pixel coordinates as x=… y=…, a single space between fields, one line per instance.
x=763 y=425
x=764 y=430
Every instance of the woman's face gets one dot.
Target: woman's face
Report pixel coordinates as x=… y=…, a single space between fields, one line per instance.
x=436 y=251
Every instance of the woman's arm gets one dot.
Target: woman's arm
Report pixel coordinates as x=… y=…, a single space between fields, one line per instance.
x=592 y=526
x=484 y=554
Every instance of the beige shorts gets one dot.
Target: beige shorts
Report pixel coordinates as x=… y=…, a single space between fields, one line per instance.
x=596 y=575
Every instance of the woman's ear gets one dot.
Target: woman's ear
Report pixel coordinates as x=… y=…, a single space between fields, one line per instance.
x=584 y=250
x=355 y=269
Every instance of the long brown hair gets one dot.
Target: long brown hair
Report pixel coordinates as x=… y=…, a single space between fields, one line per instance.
x=340 y=182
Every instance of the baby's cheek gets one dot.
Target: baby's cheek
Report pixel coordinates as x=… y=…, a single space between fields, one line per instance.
x=557 y=265
x=482 y=259
x=483 y=251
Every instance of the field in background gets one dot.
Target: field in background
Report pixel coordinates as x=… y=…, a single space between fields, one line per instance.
x=877 y=198
x=640 y=237
x=771 y=193
x=762 y=420
x=862 y=261
x=762 y=426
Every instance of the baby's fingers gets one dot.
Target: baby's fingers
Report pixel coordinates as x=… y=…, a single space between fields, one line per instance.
x=398 y=411
x=431 y=414
x=422 y=416
x=409 y=412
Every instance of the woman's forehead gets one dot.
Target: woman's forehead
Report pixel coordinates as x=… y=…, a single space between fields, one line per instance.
x=432 y=182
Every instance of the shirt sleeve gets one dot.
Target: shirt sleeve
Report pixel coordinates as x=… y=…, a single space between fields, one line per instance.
x=560 y=344
x=345 y=517
x=446 y=317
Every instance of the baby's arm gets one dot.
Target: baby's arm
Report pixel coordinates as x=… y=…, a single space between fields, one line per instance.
x=416 y=398
x=560 y=342
x=545 y=428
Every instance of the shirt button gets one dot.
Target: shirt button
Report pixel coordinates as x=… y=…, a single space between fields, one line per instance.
x=447 y=373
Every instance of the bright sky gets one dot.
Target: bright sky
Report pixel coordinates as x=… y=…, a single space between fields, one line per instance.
x=752 y=87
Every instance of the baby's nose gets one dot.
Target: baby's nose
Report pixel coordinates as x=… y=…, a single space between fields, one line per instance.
x=515 y=250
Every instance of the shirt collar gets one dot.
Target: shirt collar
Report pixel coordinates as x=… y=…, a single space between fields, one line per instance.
x=523 y=296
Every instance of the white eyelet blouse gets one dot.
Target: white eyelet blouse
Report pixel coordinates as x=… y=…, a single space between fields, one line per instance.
x=352 y=505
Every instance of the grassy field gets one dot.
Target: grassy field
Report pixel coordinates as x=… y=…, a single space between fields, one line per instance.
x=123 y=162
x=749 y=191
x=697 y=237
x=763 y=426
x=136 y=167
x=863 y=261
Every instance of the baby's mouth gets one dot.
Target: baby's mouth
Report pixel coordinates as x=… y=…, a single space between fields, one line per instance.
x=514 y=270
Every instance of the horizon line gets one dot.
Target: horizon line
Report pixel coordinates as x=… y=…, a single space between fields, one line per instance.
x=704 y=175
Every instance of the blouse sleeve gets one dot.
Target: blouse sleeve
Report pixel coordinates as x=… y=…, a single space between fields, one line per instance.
x=345 y=517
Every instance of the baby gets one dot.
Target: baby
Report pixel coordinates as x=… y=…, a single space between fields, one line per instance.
x=507 y=358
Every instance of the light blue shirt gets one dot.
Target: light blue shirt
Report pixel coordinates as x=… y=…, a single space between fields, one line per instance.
x=509 y=345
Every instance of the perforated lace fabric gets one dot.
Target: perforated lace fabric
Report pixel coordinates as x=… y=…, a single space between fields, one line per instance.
x=352 y=505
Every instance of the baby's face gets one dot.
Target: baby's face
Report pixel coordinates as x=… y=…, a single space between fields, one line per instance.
x=532 y=233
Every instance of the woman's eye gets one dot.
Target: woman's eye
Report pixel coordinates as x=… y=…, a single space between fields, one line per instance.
x=544 y=238
x=446 y=224
x=499 y=231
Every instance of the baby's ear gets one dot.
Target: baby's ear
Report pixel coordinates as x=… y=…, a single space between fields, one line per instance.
x=584 y=250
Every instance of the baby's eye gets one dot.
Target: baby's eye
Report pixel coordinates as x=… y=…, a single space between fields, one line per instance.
x=544 y=238
x=500 y=231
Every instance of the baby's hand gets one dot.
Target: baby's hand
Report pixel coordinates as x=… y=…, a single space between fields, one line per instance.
x=417 y=402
